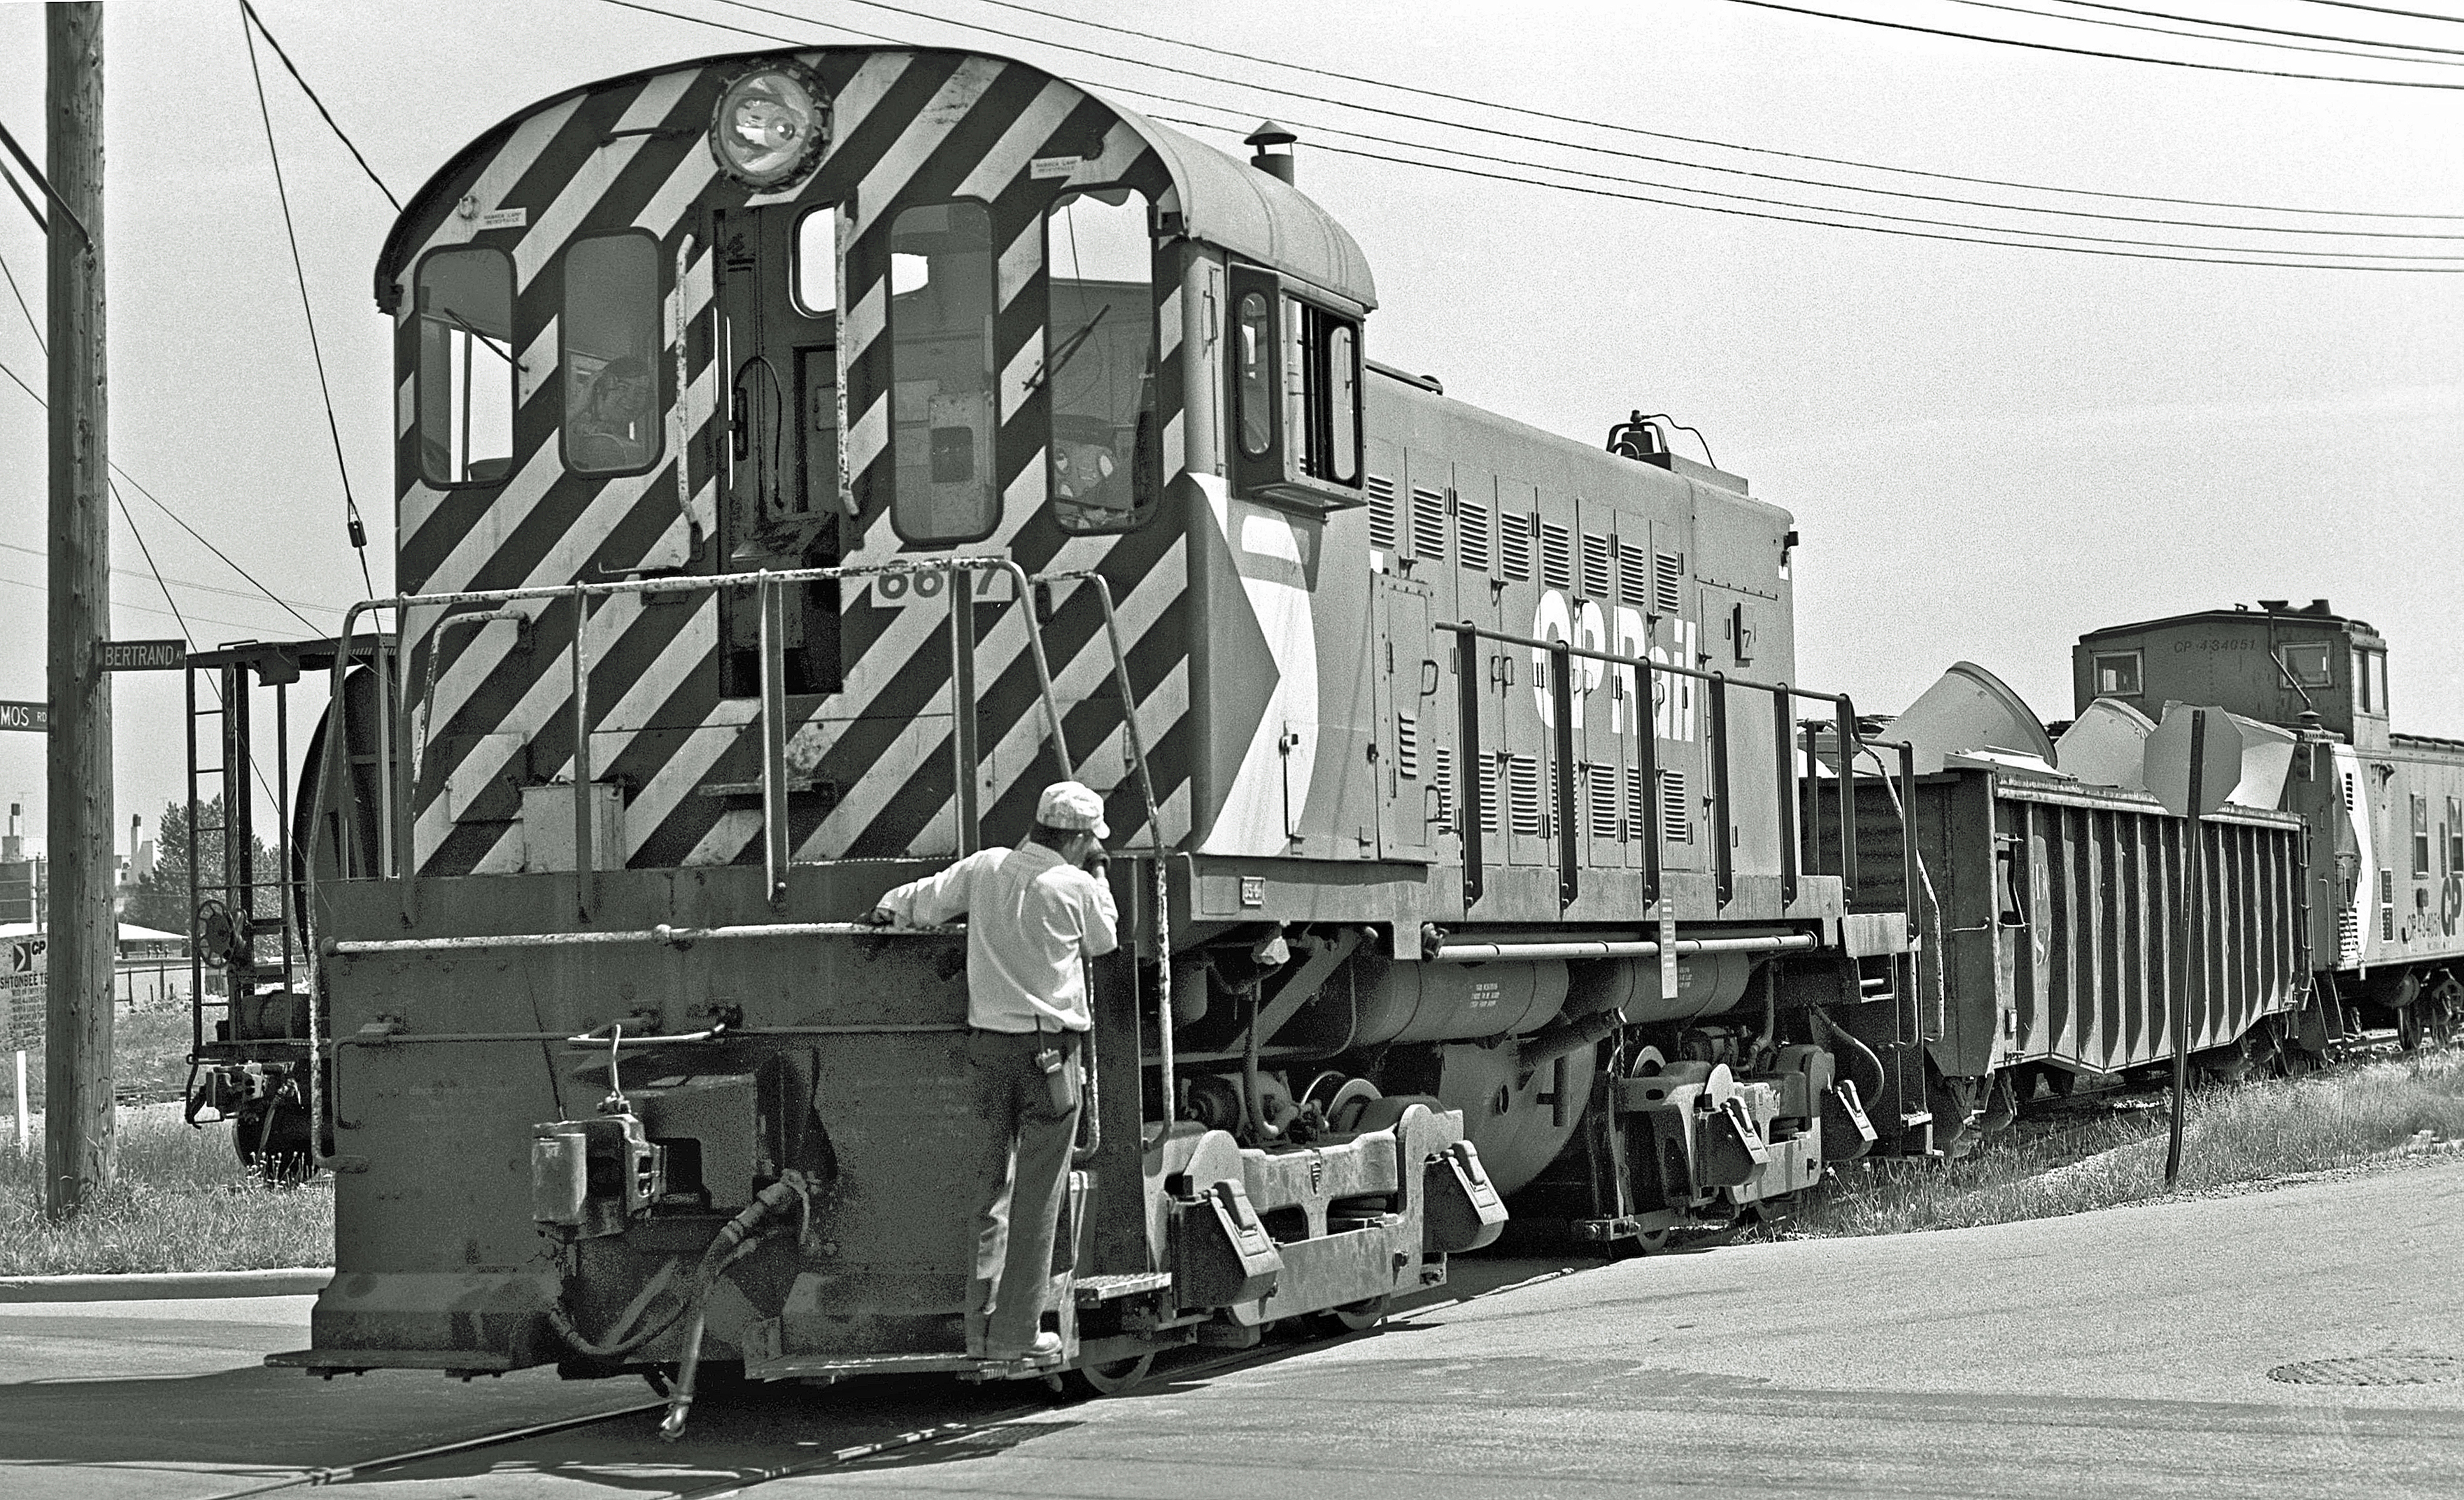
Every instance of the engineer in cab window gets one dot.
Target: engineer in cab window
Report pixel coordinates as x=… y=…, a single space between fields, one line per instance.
x=612 y=429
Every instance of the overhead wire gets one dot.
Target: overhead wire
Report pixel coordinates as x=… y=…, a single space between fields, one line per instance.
x=2204 y=36
x=2271 y=31
x=2237 y=255
x=32 y=210
x=177 y=519
x=299 y=273
x=2090 y=51
x=2456 y=257
x=1457 y=97
x=2388 y=10
x=249 y=11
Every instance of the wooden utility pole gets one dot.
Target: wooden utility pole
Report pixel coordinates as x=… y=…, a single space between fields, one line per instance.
x=80 y=1154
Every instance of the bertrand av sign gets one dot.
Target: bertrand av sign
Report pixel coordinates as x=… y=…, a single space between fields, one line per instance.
x=144 y=656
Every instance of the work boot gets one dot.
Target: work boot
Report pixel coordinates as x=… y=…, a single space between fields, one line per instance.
x=1045 y=1347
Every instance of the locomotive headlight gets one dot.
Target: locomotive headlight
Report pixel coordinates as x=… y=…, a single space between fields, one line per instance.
x=770 y=126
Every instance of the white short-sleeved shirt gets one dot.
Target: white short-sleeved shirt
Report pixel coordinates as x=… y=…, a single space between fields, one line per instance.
x=1031 y=922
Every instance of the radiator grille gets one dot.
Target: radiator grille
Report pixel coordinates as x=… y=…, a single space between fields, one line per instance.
x=1596 y=567
x=1676 y=815
x=1381 y=514
x=1634 y=578
x=1556 y=556
x=1442 y=771
x=1601 y=781
x=1635 y=828
x=1491 y=798
x=1667 y=582
x=1514 y=546
x=1407 y=746
x=1471 y=534
x=1428 y=523
x=1523 y=793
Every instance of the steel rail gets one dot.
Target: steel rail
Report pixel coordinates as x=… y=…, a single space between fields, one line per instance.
x=672 y=937
x=1605 y=948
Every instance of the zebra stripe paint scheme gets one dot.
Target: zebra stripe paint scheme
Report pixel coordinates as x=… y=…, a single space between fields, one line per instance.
x=907 y=128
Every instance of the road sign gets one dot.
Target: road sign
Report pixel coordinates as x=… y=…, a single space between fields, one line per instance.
x=35 y=718
x=2169 y=775
x=144 y=656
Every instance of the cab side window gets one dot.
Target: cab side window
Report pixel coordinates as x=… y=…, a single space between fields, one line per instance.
x=1099 y=361
x=610 y=331
x=1325 y=392
x=943 y=405
x=465 y=386
x=1255 y=350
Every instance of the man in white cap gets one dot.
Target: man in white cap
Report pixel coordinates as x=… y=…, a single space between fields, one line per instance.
x=1035 y=913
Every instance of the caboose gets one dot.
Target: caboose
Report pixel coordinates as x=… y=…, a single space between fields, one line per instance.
x=806 y=456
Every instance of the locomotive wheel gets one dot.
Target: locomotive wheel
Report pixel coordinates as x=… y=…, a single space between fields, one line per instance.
x=1649 y=1241
x=1094 y=1380
x=1356 y=1318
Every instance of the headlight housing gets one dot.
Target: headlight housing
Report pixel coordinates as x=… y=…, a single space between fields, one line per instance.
x=770 y=126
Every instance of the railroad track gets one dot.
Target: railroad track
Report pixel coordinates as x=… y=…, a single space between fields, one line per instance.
x=750 y=1475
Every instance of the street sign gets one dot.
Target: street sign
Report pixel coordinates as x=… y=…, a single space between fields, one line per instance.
x=144 y=656
x=35 y=718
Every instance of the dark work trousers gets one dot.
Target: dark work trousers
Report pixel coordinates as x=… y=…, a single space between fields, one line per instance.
x=1026 y=1161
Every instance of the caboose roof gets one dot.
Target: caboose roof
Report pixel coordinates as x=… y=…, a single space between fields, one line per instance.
x=2240 y=616
x=1221 y=200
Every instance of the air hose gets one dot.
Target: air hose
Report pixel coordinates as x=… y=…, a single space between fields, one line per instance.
x=1833 y=1028
x=737 y=1237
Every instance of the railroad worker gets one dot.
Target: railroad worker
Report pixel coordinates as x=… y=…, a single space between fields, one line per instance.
x=610 y=429
x=1035 y=914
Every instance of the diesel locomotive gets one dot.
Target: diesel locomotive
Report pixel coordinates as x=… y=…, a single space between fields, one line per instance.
x=805 y=457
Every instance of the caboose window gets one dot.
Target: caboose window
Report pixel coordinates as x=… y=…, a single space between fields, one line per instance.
x=1099 y=361
x=610 y=335
x=943 y=409
x=2307 y=663
x=465 y=384
x=1257 y=384
x=2117 y=675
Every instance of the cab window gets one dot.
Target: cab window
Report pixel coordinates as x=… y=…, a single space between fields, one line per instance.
x=610 y=337
x=465 y=386
x=2307 y=663
x=2117 y=675
x=1099 y=361
x=1256 y=353
x=1325 y=394
x=943 y=406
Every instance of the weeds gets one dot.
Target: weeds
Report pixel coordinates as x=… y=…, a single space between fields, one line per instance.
x=2230 y=1136
x=183 y=1202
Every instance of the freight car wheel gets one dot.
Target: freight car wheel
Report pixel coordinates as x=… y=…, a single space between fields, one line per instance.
x=1091 y=1381
x=273 y=1144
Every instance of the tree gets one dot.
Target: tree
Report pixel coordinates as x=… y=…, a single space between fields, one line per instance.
x=161 y=900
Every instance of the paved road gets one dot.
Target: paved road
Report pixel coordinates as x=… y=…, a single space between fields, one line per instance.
x=2108 y=1354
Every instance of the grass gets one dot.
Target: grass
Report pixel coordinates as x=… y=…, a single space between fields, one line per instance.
x=2231 y=1136
x=149 y=1058
x=183 y=1202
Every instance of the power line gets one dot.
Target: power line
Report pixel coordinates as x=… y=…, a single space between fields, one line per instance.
x=2271 y=31
x=2382 y=10
x=1876 y=229
x=249 y=11
x=176 y=519
x=117 y=603
x=189 y=583
x=2089 y=51
x=1660 y=135
x=299 y=273
x=2205 y=36
x=1974 y=203
x=33 y=211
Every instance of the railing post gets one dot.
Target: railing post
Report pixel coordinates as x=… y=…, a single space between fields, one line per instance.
x=586 y=854
x=1783 y=743
x=1725 y=855
x=1043 y=667
x=398 y=831
x=1847 y=728
x=962 y=705
x=1647 y=769
x=1561 y=691
x=1475 y=817
x=774 y=740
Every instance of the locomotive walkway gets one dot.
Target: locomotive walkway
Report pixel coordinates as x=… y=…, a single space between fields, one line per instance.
x=2116 y=1353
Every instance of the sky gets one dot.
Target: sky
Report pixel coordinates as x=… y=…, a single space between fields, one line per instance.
x=1988 y=450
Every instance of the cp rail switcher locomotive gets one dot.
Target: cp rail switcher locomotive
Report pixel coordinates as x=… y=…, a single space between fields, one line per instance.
x=806 y=456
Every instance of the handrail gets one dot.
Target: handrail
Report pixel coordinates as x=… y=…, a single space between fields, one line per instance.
x=396 y=831
x=1561 y=655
